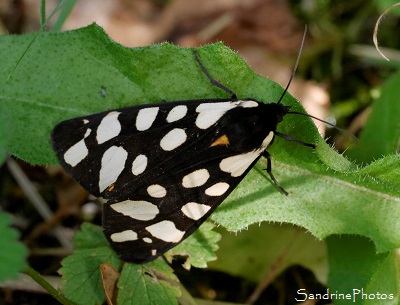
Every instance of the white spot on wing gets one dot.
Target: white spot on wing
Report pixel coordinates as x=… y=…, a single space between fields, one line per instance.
x=210 y=113
x=166 y=231
x=147 y=240
x=139 y=210
x=217 y=189
x=139 y=165
x=238 y=164
x=156 y=191
x=173 y=139
x=248 y=104
x=109 y=127
x=154 y=252
x=177 y=113
x=77 y=152
x=146 y=117
x=123 y=236
x=267 y=140
x=87 y=133
x=195 y=210
x=112 y=165
x=196 y=178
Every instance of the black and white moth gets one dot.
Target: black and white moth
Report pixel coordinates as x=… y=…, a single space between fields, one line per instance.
x=164 y=168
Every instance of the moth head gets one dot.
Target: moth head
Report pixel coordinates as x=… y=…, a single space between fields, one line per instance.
x=278 y=111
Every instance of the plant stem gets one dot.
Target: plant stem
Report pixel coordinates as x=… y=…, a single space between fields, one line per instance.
x=50 y=289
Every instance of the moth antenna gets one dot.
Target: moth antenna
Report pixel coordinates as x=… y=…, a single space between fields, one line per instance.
x=290 y=80
x=295 y=66
x=330 y=124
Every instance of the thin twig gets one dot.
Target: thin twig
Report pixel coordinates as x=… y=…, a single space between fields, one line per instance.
x=34 y=197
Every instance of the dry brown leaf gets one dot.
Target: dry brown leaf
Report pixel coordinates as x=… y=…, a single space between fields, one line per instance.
x=109 y=277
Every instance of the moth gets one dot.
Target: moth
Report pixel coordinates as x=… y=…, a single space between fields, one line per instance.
x=164 y=168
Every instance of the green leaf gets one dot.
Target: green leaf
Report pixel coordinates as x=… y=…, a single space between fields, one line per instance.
x=381 y=134
x=385 y=280
x=148 y=284
x=151 y=283
x=89 y=237
x=13 y=253
x=81 y=279
x=325 y=202
x=356 y=269
x=199 y=248
x=252 y=253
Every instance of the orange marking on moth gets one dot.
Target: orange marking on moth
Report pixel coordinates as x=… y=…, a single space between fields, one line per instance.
x=222 y=140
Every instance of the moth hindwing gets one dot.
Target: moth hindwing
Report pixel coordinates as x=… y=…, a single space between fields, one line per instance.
x=164 y=168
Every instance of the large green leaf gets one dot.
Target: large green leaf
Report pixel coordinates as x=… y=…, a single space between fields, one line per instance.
x=356 y=270
x=364 y=202
x=381 y=134
x=253 y=253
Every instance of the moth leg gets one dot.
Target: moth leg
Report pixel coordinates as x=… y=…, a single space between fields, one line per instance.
x=212 y=80
x=269 y=171
x=289 y=138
